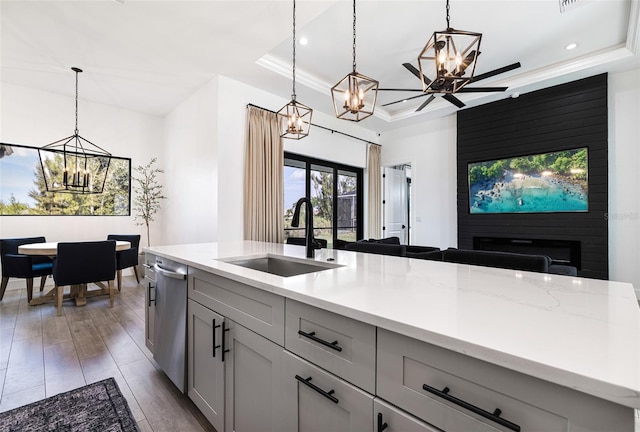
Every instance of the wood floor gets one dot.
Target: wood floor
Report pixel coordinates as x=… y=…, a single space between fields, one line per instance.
x=42 y=354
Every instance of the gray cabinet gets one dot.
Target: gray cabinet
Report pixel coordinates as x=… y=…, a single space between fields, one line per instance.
x=455 y=392
x=315 y=400
x=390 y=419
x=234 y=374
x=205 y=381
x=341 y=345
x=253 y=382
x=149 y=299
x=253 y=308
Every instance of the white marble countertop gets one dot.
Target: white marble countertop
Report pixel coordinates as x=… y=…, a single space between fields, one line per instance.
x=576 y=332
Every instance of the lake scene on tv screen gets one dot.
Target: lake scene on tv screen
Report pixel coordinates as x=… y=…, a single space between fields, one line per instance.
x=546 y=182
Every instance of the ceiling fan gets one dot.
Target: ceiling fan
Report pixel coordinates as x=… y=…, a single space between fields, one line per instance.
x=444 y=87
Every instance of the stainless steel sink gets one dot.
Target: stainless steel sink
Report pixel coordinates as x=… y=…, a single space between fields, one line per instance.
x=282 y=266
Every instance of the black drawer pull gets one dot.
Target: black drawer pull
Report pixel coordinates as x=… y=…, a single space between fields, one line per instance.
x=494 y=416
x=224 y=330
x=381 y=426
x=329 y=395
x=213 y=331
x=313 y=337
x=149 y=295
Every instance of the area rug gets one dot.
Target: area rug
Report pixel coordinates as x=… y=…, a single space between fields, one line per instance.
x=95 y=407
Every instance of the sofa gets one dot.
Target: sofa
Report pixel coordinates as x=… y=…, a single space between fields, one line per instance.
x=508 y=260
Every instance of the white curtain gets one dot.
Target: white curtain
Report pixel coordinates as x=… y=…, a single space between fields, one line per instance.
x=264 y=189
x=374 y=194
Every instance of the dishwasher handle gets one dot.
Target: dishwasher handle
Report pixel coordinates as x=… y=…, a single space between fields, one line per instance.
x=168 y=273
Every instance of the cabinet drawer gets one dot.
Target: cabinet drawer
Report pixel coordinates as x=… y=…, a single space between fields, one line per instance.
x=323 y=402
x=257 y=310
x=341 y=345
x=405 y=365
x=390 y=419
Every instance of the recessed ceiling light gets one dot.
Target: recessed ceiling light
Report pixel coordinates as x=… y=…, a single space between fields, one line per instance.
x=304 y=41
x=571 y=46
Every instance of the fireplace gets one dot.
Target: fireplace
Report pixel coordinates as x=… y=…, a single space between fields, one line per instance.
x=566 y=252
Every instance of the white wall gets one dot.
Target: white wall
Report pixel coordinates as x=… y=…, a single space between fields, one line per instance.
x=190 y=146
x=233 y=97
x=430 y=148
x=36 y=118
x=624 y=178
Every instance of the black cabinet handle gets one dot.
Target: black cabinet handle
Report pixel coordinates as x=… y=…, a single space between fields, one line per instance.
x=329 y=395
x=214 y=327
x=313 y=337
x=149 y=296
x=224 y=331
x=381 y=426
x=494 y=416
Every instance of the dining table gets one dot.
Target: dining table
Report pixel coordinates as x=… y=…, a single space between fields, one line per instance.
x=78 y=293
x=50 y=249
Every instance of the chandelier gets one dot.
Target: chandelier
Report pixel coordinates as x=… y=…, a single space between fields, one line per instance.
x=448 y=61
x=74 y=164
x=295 y=118
x=354 y=97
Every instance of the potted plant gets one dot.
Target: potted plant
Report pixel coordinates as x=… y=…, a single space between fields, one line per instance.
x=148 y=194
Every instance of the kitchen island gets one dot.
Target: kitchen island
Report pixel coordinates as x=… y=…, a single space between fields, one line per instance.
x=504 y=334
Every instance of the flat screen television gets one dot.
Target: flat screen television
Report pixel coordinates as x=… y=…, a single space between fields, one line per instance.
x=545 y=182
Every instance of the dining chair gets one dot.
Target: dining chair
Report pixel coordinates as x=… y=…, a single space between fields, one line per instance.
x=128 y=257
x=81 y=263
x=15 y=265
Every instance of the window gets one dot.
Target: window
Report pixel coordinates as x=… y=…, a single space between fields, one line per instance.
x=336 y=216
x=23 y=192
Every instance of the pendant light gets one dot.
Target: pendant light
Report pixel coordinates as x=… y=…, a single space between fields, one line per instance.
x=354 y=97
x=295 y=118
x=74 y=164
x=448 y=61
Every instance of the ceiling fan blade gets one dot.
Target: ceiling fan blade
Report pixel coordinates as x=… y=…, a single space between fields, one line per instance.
x=495 y=72
x=397 y=89
x=425 y=103
x=454 y=100
x=405 y=99
x=411 y=68
x=481 y=89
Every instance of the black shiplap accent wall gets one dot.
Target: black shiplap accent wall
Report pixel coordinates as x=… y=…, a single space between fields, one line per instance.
x=567 y=116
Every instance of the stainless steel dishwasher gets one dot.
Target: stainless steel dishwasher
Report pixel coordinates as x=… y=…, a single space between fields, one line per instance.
x=170 y=326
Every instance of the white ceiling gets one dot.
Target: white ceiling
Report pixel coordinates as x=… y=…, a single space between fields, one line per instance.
x=149 y=55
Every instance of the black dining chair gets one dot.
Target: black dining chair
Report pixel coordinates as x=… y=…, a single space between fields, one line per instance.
x=81 y=263
x=128 y=257
x=15 y=265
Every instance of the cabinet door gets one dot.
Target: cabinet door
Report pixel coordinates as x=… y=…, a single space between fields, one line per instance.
x=390 y=419
x=149 y=300
x=205 y=367
x=317 y=401
x=253 y=381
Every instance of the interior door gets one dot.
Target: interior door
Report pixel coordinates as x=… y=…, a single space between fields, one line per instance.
x=395 y=218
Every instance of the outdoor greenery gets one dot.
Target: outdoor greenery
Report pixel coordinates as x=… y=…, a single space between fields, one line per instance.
x=322 y=201
x=146 y=202
x=113 y=201
x=559 y=163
